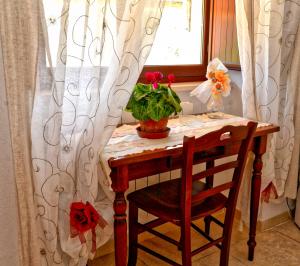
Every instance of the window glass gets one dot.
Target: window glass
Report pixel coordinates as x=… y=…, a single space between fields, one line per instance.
x=179 y=38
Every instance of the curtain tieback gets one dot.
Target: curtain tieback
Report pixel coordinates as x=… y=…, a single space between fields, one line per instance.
x=84 y=217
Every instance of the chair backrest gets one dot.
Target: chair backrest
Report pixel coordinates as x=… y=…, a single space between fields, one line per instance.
x=212 y=146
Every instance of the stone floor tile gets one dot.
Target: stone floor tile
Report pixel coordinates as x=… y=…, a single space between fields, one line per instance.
x=273 y=249
x=289 y=229
x=279 y=246
x=214 y=260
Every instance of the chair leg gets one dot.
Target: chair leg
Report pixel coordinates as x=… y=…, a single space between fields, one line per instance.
x=224 y=259
x=186 y=244
x=207 y=221
x=133 y=234
x=180 y=243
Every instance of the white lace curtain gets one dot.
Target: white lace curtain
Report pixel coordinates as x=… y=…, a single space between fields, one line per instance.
x=269 y=53
x=95 y=51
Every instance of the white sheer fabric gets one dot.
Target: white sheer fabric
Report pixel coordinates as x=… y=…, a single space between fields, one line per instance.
x=267 y=31
x=96 y=52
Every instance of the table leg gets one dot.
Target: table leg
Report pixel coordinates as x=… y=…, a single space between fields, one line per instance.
x=254 y=203
x=120 y=229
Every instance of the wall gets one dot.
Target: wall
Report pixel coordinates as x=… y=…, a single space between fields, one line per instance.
x=271 y=210
x=232 y=103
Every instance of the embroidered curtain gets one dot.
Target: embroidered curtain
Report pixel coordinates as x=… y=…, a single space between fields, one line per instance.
x=95 y=51
x=267 y=30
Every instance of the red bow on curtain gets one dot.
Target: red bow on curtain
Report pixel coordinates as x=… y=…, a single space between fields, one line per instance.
x=84 y=217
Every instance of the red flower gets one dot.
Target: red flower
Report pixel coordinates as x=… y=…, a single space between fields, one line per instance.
x=84 y=217
x=150 y=76
x=155 y=77
x=79 y=217
x=93 y=214
x=158 y=76
x=171 y=78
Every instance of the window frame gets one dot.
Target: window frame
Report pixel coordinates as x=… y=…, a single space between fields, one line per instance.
x=187 y=72
x=230 y=66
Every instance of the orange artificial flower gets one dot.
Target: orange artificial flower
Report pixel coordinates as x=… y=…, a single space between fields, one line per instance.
x=221 y=76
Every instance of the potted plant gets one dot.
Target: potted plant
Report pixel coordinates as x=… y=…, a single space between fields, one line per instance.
x=152 y=104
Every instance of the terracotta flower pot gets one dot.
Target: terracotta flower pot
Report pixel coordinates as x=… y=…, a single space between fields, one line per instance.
x=154 y=126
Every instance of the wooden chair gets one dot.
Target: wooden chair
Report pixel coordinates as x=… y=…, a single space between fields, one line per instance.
x=183 y=200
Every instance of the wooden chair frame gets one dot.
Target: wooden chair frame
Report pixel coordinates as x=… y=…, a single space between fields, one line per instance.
x=217 y=140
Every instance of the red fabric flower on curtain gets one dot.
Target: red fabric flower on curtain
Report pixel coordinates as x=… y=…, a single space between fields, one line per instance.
x=95 y=217
x=79 y=218
x=269 y=192
x=84 y=217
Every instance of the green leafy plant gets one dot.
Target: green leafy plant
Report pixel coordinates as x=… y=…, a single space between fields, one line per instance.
x=153 y=101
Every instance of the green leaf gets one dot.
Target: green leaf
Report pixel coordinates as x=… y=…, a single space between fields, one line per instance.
x=139 y=110
x=140 y=91
x=174 y=100
x=155 y=108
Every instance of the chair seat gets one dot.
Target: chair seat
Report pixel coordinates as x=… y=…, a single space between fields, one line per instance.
x=163 y=200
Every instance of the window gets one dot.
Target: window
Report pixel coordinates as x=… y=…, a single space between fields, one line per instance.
x=179 y=38
x=192 y=32
x=181 y=43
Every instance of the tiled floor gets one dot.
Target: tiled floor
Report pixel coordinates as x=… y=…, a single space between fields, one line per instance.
x=279 y=246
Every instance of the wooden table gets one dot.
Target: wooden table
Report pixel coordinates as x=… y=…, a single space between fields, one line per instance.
x=147 y=163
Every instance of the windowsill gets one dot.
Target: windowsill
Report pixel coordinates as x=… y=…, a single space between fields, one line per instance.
x=177 y=87
x=185 y=86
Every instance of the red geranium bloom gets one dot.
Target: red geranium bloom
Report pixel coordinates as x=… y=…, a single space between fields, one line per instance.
x=155 y=77
x=171 y=78
x=158 y=76
x=150 y=76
